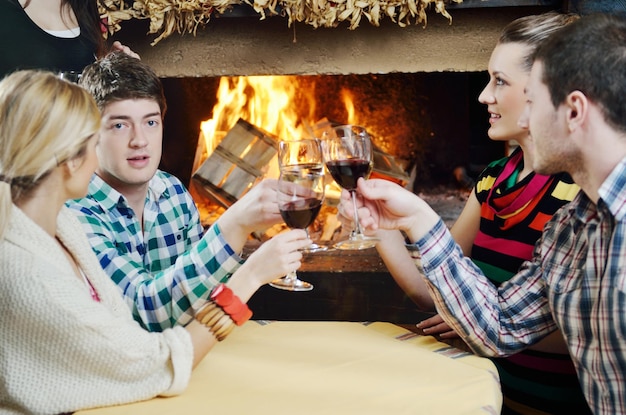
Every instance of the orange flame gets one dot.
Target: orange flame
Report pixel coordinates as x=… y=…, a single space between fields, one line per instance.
x=264 y=101
x=280 y=105
x=348 y=100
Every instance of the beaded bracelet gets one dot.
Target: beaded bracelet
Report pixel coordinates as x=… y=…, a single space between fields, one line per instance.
x=223 y=312
x=231 y=304
x=216 y=320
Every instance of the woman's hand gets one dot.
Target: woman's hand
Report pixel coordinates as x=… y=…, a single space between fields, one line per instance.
x=273 y=259
x=117 y=45
x=435 y=326
x=277 y=256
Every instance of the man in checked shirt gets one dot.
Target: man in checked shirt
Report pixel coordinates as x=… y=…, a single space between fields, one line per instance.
x=576 y=281
x=142 y=222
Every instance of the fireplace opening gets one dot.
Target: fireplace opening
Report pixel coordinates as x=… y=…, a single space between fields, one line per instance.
x=430 y=122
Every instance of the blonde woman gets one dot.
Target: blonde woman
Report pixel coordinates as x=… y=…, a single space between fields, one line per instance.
x=69 y=341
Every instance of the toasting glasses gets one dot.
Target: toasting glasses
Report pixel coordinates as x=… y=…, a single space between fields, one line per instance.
x=304 y=154
x=347 y=151
x=300 y=197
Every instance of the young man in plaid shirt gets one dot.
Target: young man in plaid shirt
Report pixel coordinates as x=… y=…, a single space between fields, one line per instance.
x=142 y=222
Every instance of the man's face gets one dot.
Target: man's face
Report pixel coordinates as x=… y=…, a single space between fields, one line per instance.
x=544 y=123
x=131 y=136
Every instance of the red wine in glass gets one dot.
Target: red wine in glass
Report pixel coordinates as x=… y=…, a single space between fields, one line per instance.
x=300 y=197
x=347 y=172
x=304 y=154
x=347 y=152
x=300 y=214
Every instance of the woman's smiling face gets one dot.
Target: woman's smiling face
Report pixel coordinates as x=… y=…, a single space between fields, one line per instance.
x=504 y=93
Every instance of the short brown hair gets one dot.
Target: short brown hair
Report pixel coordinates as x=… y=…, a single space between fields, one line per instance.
x=118 y=77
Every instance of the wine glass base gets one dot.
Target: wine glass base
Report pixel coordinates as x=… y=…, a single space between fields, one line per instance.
x=314 y=248
x=356 y=244
x=291 y=285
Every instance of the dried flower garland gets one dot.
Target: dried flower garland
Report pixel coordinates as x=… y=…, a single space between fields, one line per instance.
x=185 y=16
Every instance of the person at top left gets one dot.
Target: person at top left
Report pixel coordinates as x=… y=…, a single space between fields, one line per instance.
x=60 y=36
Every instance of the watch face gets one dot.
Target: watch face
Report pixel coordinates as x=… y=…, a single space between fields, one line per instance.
x=413 y=250
x=411 y=247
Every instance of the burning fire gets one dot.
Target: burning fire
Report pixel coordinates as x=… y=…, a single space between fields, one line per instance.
x=276 y=104
x=264 y=101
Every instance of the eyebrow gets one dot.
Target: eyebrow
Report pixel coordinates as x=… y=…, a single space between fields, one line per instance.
x=500 y=72
x=128 y=117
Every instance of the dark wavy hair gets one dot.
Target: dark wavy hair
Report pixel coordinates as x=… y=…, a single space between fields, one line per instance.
x=88 y=17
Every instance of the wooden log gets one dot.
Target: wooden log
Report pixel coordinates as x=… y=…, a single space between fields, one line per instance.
x=236 y=163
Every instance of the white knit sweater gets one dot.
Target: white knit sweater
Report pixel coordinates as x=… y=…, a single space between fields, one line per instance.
x=61 y=351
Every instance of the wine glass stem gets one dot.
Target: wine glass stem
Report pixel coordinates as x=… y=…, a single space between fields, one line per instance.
x=357 y=224
x=308 y=237
x=291 y=277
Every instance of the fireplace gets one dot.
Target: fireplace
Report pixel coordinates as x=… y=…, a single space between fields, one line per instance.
x=422 y=81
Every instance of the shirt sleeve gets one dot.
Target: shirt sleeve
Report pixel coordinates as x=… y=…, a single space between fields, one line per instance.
x=492 y=321
x=166 y=298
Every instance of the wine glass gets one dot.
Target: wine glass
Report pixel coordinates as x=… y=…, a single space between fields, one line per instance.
x=347 y=151
x=305 y=153
x=300 y=197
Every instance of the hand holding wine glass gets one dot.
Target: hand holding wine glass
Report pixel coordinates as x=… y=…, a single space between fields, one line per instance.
x=300 y=197
x=347 y=151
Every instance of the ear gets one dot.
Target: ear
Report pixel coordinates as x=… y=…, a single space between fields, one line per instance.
x=71 y=166
x=577 y=107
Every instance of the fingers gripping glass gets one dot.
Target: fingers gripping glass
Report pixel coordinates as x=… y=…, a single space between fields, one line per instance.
x=300 y=197
x=347 y=151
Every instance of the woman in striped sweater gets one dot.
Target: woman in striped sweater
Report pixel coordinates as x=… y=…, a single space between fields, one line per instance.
x=501 y=221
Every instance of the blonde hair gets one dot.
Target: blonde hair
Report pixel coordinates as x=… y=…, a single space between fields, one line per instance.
x=44 y=121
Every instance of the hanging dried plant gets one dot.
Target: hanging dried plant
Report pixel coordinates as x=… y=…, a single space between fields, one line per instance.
x=185 y=16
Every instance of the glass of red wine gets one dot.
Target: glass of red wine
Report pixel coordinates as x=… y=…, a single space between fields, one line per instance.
x=302 y=154
x=347 y=151
x=300 y=198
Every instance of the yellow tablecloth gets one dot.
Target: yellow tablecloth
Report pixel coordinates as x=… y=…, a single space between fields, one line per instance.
x=331 y=368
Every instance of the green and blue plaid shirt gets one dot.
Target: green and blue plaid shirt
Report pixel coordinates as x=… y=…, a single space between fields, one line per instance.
x=168 y=270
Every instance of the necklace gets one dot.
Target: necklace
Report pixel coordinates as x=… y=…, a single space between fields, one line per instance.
x=78 y=270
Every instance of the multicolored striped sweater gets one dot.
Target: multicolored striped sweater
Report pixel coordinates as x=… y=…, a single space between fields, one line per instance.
x=512 y=218
x=513 y=214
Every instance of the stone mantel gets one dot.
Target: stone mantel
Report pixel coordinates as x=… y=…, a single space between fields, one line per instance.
x=230 y=46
